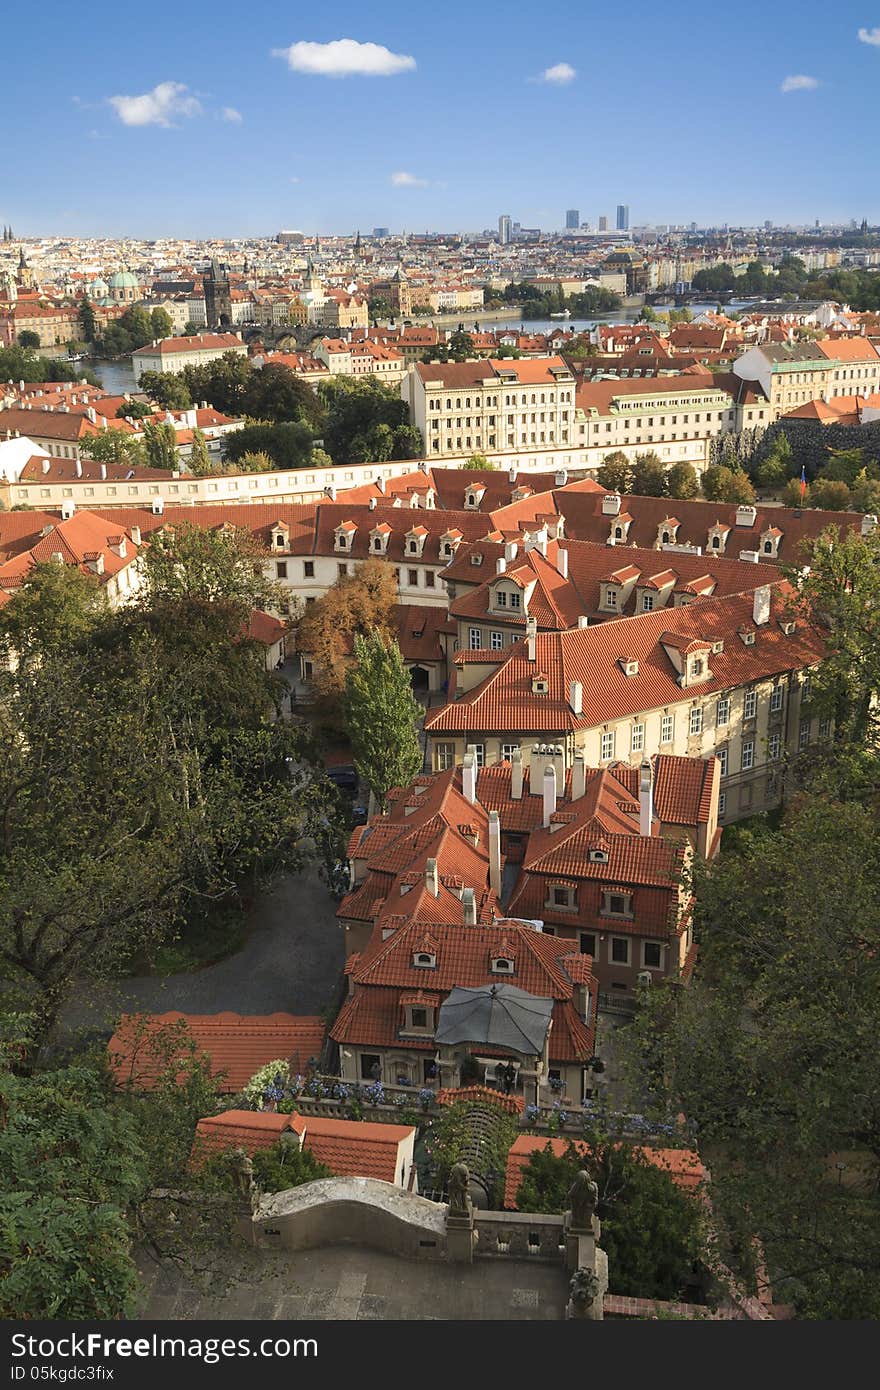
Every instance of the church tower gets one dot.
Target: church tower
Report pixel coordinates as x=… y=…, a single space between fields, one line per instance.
x=218 y=299
x=25 y=279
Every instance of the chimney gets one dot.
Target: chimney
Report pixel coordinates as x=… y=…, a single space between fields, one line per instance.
x=516 y=775
x=761 y=605
x=103 y=472
x=549 y=793
x=68 y=507
x=469 y=907
x=78 y=468
x=512 y=472
x=561 y=477
x=576 y=697
x=510 y=551
x=500 y=565
x=869 y=523
x=330 y=492
x=158 y=506
x=583 y=620
x=135 y=535
x=531 y=636
x=578 y=775
x=47 y=464
x=469 y=776
x=495 y=854
x=646 y=797
x=432 y=879
x=373 y=504
x=380 y=484
x=562 y=562
x=91 y=414
x=611 y=504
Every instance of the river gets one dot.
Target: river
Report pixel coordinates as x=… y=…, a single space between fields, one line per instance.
x=115 y=377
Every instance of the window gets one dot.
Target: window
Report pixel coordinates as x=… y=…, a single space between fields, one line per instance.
x=617 y=904
x=750 y=704
x=371 y=1066
x=500 y=599
x=480 y=751
x=610 y=598
x=722 y=715
x=309 y=569
x=748 y=754
x=722 y=758
x=562 y=897
x=281 y=569
x=607 y=746
x=647 y=603
x=774 y=744
x=804 y=733
x=475 y=639
x=696 y=720
x=722 y=804
x=807 y=688
x=667 y=726
x=515 y=600
x=424 y=960
x=496 y=641
x=508 y=750
x=588 y=943
x=413 y=578
x=651 y=954
x=776 y=698
x=419 y=1018
x=444 y=756
x=637 y=740
x=824 y=728
x=429 y=579
x=620 y=950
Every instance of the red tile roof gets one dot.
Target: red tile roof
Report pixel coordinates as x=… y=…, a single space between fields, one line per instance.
x=682 y=1165
x=236 y=1045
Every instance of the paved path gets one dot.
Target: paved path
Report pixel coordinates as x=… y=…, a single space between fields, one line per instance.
x=290 y=961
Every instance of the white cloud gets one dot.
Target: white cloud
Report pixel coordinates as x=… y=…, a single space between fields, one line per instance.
x=799 y=83
x=294 y=179
x=870 y=36
x=345 y=58
x=229 y=113
x=405 y=180
x=559 y=74
x=156 y=107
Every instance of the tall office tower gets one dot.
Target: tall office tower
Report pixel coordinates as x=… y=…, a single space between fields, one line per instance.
x=603 y=224
x=622 y=217
x=572 y=220
x=504 y=230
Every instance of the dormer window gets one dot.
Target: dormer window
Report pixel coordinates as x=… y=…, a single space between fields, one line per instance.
x=598 y=856
x=748 y=638
x=540 y=685
x=610 y=597
x=476 y=558
x=697 y=667
x=424 y=960
x=629 y=666
x=618 y=533
x=502 y=965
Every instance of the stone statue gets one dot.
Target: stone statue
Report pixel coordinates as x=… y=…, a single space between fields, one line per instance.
x=583 y=1288
x=244 y=1171
x=459 y=1181
x=583 y=1196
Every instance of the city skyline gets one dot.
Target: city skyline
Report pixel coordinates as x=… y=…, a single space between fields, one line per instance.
x=325 y=125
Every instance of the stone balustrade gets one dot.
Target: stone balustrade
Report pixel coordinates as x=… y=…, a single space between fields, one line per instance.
x=510 y=1233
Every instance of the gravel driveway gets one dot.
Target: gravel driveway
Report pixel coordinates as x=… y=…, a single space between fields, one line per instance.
x=290 y=962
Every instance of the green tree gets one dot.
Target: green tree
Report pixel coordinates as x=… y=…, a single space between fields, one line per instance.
x=722 y=484
x=361 y=602
x=738 y=490
x=28 y=339
x=866 y=493
x=54 y=606
x=114 y=446
x=795 y=494
x=840 y=597
x=381 y=713
x=771 y=1051
x=275 y=393
x=652 y=1231
x=160 y=323
x=407 y=442
x=210 y=566
x=353 y=408
x=86 y=315
x=288 y=445
x=675 y=316
x=478 y=462
x=199 y=458
x=223 y=383
x=160 y=445
x=134 y=410
x=844 y=466
x=682 y=481
x=287 y=1165
x=614 y=472
x=830 y=496
x=648 y=476
x=167 y=389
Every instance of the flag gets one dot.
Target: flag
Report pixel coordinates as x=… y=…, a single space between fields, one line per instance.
x=803 y=480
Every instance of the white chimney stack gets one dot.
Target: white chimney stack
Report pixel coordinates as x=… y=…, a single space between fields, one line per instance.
x=611 y=504
x=103 y=472
x=330 y=492
x=761 y=605
x=576 y=697
x=516 y=775
x=469 y=776
x=380 y=483
x=512 y=472
x=432 y=879
x=136 y=535
x=549 y=793
x=495 y=854
x=646 y=797
x=561 y=477
x=531 y=636
x=500 y=565
x=78 y=468
x=469 y=907
x=578 y=775
x=562 y=562
x=510 y=551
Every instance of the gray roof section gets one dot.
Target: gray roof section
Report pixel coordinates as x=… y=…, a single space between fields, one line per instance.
x=498 y=1016
x=792 y=352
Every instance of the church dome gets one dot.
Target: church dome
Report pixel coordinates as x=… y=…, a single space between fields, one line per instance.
x=123 y=280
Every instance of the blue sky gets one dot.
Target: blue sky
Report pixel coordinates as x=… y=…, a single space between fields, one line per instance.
x=213 y=119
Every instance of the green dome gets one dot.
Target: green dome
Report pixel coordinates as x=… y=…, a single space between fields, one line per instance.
x=123 y=280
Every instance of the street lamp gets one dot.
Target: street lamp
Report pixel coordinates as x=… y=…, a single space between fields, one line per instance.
x=841 y=1169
